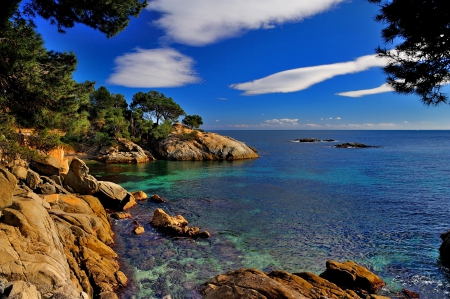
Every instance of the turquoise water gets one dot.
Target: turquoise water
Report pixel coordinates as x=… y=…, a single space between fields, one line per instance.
x=295 y=207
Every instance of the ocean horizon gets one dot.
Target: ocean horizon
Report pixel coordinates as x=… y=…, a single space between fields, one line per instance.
x=294 y=208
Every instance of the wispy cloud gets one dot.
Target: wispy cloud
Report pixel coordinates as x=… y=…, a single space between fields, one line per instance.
x=364 y=92
x=164 y=67
x=202 y=22
x=223 y=99
x=282 y=121
x=302 y=78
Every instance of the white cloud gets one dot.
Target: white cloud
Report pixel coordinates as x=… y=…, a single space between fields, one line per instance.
x=330 y=118
x=201 y=22
x=223 y=99
x=359 y=93
x=282 y=121
x=338 y=118
x=217 y=120
x=302 y=78
x=164 y=67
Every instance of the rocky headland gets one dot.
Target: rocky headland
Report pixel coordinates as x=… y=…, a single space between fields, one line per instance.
x=186 y=144
x=355 y=145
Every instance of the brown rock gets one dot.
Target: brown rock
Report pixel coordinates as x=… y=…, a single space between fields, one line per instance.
x=205 y=146
x=23 y=290
x=47 y=188
x=114 y=196
x=78 y=179
x=156 y=198
x=48 y=165
x=247 y=283
x=121 y=215
x=350 y=275
x=139 y=195
x=124 y=152
x=138 y=230
x=7 y=185
x=20 y=172
x=176 y=225
x=33 y=179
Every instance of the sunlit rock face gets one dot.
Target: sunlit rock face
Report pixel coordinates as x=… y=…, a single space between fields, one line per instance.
x=186 y=144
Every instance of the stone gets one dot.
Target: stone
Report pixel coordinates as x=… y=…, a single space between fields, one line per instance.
x=350 y=275
x=138 y=230
x=23 y=290
x=121 y=215
x=114 y=196
x=48 y=165
x=156 y=198
x=8 y=183
x=20 y=172
x=79 y=180
x=57 y=179
x=205 y=146
x=33 y=179
x=47 y=188
x=124 y=152
x=176 y=225
x=307 y=140
x=139 y=195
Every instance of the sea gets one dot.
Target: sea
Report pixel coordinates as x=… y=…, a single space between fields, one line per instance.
x=294 y=208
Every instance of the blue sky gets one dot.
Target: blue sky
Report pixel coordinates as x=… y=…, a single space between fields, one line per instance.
x=253 y=64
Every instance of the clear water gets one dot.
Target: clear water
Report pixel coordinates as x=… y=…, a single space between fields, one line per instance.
x=295 y=207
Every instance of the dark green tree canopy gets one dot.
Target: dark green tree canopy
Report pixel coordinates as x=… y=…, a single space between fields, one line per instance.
x=108 y=16
x=157 y=105
x=193 y=121
x=420 y=62
x=36 y=85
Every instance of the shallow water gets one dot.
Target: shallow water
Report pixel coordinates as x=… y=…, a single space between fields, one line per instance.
x=297 y=206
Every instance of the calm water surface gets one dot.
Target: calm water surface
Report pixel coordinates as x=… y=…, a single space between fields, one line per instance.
x=295 y=207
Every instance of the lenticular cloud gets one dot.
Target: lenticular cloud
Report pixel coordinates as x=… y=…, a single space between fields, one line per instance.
x=201 y=22
x=302 y=78
x=154 y=68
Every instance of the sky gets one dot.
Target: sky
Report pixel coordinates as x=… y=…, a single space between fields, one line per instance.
x=253 y=64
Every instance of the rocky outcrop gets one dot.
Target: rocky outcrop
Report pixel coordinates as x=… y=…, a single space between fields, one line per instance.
x=78 y=179
x=176 y=225
x=355 y=145
x=48 y=165
x=114 y=196
x=252 y=283
x=123 y=152
x=7 y=185
x=61 y=249
x=186 y=144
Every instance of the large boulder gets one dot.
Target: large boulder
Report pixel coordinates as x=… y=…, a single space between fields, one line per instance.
x=78 y=179
x=7 y=185
x=114 y=196
x=186 y=144
x=123 y=152
x=48 y=165
x=31 y=249
x=352 y=276
x=252 y=283
x=33 y=179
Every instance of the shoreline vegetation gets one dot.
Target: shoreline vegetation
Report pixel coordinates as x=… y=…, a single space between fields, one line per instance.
x=56 y=236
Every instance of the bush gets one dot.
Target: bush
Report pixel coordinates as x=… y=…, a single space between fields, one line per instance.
x=193 y=135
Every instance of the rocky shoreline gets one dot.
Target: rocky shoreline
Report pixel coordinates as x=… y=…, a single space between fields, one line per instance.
x=56 y=238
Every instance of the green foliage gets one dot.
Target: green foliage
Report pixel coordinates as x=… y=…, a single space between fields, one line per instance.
x=108 y=16
x=36 y=85
x=44 y=140
x=140 y=127
x=163 y=130
x=420 y=62
x=115 y=124
x=192 y=121
x=101 y=139
x=157 y=105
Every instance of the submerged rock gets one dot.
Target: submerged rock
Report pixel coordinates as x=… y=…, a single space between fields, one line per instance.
x=156 y=198
x=252 y=283
x=354 y=145
x=139 y=195
x=176 y=225
x=186 y=144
